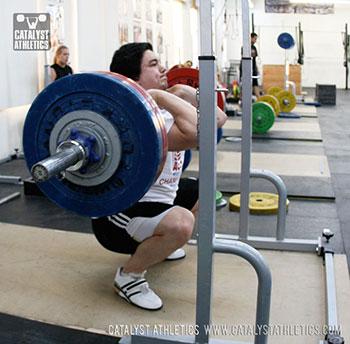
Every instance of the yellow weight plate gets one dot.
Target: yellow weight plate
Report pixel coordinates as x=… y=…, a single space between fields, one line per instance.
x=234 y=91
x=274 y=90
x=259 y=203
x=287 y=101
x=269 y=99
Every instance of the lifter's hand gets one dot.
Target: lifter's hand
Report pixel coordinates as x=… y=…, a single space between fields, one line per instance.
x=189 y=94
x=183 y=133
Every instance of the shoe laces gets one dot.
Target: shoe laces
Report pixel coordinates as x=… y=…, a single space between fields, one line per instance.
x=144 y=288
x=138 y=276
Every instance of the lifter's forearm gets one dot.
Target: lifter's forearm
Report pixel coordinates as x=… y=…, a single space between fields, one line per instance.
x=183 y=134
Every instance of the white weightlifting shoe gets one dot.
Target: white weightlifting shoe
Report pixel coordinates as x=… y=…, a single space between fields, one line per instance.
x=177 y=254
x=134 y=289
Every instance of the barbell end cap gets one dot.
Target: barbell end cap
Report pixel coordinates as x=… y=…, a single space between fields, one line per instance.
x=40 y=173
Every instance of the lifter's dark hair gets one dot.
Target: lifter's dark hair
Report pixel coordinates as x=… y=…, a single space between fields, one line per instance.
x=253 y=34
x=127 y=59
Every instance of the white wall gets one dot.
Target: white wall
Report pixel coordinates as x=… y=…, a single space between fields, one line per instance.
x=91 y=33
x=11 y=128
x=324 y=52
x=97 y=33
x=18 y=69
x=98 y=36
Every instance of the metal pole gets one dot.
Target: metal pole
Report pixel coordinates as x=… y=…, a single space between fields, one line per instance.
x=282 y=198
x=207 y=172
x=264 y=286
x=346 y=56
x=246 y=124
x=9 y=197
x=332 y=316
x=286 y=70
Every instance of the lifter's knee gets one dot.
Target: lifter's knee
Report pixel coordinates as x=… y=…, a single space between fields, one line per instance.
x=178 y=225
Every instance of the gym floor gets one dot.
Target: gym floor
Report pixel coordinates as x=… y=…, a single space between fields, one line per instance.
x=56 y=285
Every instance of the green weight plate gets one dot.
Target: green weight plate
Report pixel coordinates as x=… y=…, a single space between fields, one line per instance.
x=220 y=202
x=263 y=117
x=287 y=101
x=218 y=196
x=273 y=101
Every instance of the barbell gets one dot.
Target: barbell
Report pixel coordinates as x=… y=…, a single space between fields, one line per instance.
x=94 y=142
x=268 y=106
x=286 y=99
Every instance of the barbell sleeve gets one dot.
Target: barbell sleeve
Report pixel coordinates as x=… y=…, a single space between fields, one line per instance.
x=66 y=157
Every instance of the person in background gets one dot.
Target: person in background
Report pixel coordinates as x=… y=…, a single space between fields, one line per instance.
x=60 y=67
x=255 y=70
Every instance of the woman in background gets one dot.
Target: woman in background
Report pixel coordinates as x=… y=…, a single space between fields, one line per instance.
x=60 y=66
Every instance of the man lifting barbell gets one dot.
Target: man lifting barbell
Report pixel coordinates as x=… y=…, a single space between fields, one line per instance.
x=161 y=222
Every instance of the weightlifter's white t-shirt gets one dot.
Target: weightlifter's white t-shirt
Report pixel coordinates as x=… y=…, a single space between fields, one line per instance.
x=165 y=187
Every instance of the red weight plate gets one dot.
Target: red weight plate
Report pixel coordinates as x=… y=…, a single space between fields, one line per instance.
x=190 y=77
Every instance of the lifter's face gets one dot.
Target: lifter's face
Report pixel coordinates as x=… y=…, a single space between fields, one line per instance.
x=152 y=73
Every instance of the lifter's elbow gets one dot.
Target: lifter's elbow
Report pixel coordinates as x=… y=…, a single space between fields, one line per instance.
x=221 y=119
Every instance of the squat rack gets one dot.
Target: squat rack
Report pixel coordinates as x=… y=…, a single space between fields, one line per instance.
x=207 y=243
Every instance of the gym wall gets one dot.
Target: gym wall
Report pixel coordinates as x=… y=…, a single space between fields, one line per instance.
x=324 y=51
x=91 y=31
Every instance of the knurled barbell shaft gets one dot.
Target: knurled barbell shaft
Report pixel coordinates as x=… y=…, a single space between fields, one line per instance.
x=57 y=163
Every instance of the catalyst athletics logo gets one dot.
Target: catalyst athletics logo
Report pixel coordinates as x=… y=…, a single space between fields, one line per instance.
x=31 y=31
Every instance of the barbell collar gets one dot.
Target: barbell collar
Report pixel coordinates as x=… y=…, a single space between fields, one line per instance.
x=70 y=154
